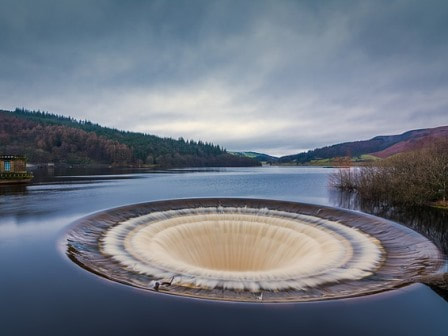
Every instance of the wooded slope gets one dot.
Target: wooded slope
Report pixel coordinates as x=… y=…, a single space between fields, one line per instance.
x=45 y=137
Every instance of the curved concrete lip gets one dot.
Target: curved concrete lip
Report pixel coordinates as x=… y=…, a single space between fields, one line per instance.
x=407 y=256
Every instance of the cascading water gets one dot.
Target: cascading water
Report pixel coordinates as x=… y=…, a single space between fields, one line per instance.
x=236 y=249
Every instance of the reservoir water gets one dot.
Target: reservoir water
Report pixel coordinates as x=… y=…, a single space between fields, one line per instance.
x=44 y=293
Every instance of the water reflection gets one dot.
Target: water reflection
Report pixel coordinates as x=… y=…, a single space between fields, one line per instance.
x=52 y=175
x=42 y=293
x=430 y=222
x=17 y=189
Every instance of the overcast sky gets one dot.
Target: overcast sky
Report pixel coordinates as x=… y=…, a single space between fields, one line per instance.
x=271 y=76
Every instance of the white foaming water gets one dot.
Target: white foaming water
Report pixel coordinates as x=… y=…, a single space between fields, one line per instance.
x=242 y=249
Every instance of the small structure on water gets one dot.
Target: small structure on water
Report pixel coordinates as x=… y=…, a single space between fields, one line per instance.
x=13 y=169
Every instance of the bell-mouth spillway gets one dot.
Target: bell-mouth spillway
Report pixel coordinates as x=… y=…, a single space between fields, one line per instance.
x=250 y=250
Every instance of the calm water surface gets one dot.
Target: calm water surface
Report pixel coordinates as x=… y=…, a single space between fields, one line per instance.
x=43 y=293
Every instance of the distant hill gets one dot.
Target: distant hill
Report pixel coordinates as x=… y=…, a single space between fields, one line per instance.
x=45 y=137
x=420 y=139
x=260 y=157
x=378 y=147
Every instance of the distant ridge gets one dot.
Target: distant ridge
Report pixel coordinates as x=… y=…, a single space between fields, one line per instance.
x=420 y=139
x=44 y=137
x=261 y=157
x=381 y=146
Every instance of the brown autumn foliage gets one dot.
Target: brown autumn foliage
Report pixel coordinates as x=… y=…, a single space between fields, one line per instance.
x=45 y=143
x=412 y=178
x=43 y=137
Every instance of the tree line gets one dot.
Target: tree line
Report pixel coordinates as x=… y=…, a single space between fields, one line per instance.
x=45 y=137
x=353 y=148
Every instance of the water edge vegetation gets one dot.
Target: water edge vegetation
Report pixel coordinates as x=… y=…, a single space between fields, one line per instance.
x=413 y=178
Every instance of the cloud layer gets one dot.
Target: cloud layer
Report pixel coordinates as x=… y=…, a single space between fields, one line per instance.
x=272 y=76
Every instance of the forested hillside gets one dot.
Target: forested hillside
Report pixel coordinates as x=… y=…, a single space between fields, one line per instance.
x=45 y=137
x=379 y=146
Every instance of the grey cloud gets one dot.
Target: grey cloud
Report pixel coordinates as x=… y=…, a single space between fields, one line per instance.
x=282 y=76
